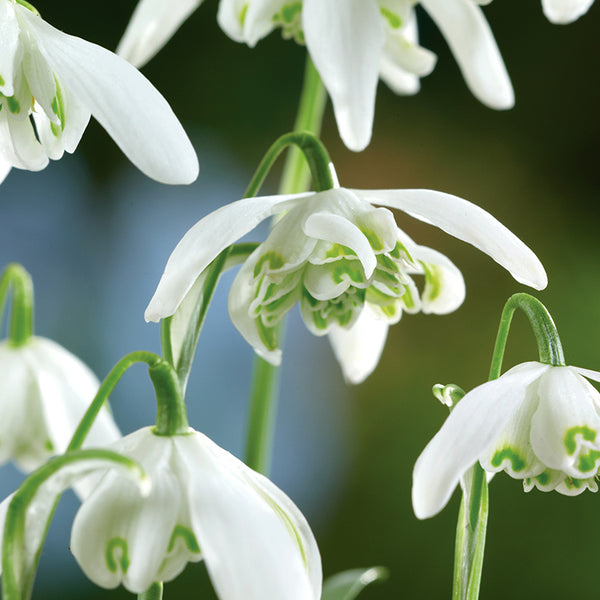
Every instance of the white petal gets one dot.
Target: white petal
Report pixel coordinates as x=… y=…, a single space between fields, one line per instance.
x=338 y=230
x=345 y=41
x=5 y=168
x=258 y=21
x=119 y=535
x=359 y=348
x=9 y=34
x=67 y=388
x=397 y=79
x=593 y=375
x=254 y=546
x=152 y=25
x=565 y=11
x=203 y=243
x=123 y=101
x=566 y=424
x=472 y=42
x=470 y=429
x=19 y=146
x=470 y=223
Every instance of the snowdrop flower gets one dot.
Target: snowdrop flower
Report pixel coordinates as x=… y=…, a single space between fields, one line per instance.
x=565 y=11
x=48 y=91
x=537 y=422
x=44 y=392
x=204 y=504
x=346 y=263
x=352 y=43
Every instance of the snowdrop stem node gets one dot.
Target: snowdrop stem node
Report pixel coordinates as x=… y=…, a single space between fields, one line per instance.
x=171 y=416
x=546 y=335
x=33 y=505
x=16 y=278
x=314 y=152
x=154 y=592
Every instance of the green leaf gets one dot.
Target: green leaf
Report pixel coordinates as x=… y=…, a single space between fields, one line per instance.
x=349 y=584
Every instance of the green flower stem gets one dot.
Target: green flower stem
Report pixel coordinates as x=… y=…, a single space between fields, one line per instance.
x=546 y=335
x=154 y=592
x=15 y=277
x=20 y=560
x=171 y=416
x=263 y=393
x=472 y=520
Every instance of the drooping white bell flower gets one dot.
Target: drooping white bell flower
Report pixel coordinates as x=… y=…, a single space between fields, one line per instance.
x=44 y=392
x=346 y=263
x=352 y=43
x=565 y=11
x=50 y=84
x=537 y=422
x=204 y=504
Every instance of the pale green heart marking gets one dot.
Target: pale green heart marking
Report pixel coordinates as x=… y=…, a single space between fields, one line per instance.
x=13 y=105
x=274 y=259
x=433 y=277
x=587 y=462
x=517 y=462
x=586 y=433
x=393 y=19
x=188 y=537
x=373 y=239
x=117 y=543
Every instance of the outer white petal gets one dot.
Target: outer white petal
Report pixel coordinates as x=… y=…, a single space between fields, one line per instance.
x=470 y=223
x=19 y=146
x=123 y=101
x=152 y=25
x=472 y=42
x=9 y=34
x=359 y=348
x=117 y=510
x=593 y=375
x=67 y=387
x=5 y=168
x=345 y=41
x=338 y=230
x=252 y=543
x=397 y=79
x=470 y=429
x=568 y=403
x=204 y=241
x=565 y=11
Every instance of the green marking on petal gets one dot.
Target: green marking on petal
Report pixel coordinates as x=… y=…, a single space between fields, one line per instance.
x=339 y=251
x=274 y=259
x=543 y=478
x=55 y=129
x=393 y=19
x=13 y=105
x=572 y=483
x=243 y=12
x=2 y=82
x=49 y=446
x=433 y=277
x=267 y=334
x=28 y=6
x=117 y=544
x=586 y=433
x=347 y=269
x=290 y=11
x=587 y=462
x=516 y=460
x=374 y=240
x=188 y=537
x=58 y=106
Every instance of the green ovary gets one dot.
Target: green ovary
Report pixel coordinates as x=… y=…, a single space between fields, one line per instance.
x=117 y=544
x=517 y=462
x=585 y=432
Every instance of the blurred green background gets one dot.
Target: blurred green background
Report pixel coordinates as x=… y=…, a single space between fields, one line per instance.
x=95 y=235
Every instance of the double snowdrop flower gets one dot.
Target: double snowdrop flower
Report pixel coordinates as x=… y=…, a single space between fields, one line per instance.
x=537 y=422
x=44 y=392
x=565 y=11
x=351 y=42
x=346 y=263
x=204 y=504
x=50 y=84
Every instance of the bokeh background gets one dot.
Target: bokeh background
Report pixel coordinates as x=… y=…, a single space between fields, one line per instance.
x=95 y=235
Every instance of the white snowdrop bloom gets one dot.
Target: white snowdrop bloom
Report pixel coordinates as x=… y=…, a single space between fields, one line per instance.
x=565 y=11
x=50 y=84
x=537 y=422
x=352 y=44
x=44 y=392
x=346 y=263
x=204 y=504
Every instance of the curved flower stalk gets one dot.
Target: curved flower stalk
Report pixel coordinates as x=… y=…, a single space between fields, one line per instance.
x=352 y=43
x=204 y=505
x=44 y=392
x=565 y=11
x=48 y=92
x=539 y=423
x=346 y=263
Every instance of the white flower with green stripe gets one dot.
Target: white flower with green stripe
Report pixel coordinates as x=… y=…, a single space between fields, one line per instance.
x=537 y=422
x=204 y=504
x=352 y=43
x=50 y=85
x=344 y=261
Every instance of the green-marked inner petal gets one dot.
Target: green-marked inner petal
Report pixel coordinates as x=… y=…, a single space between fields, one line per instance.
x=570 y=437
x=116 y=551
